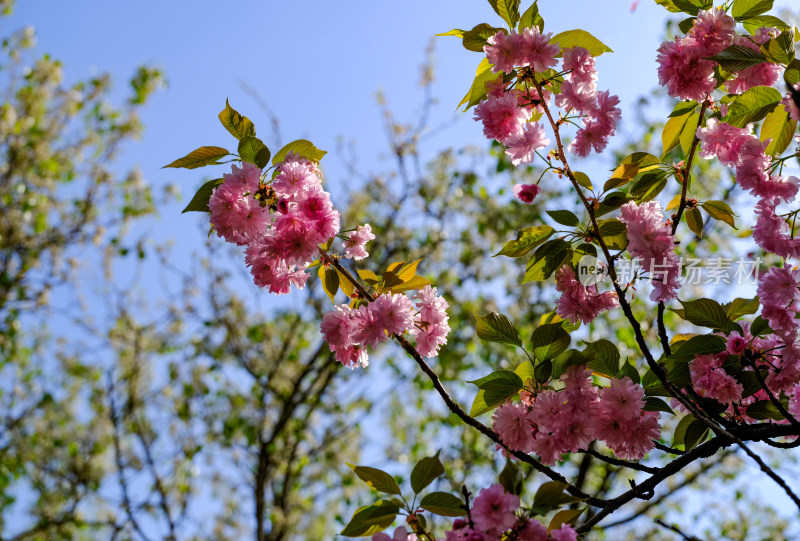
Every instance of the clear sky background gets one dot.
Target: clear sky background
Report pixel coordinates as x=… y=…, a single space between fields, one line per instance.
x=316 y=63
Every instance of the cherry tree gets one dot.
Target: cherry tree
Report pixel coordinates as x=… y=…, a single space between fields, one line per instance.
x=727 y=373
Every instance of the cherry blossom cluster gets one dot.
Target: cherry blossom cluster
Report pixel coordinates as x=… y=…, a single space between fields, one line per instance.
x=349 y=331
x=737 y=147
x=578 y=302
x=778 y=353
x=495 y=515
x=650 y=239
x=281 y=223
x=688 y=73
x=553 y=422
x=507 y=113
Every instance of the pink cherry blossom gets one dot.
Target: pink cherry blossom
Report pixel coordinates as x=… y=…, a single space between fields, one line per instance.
x=772 y=233
x=580 y=63
x=564 y=533
x=722 y=140
x=493 y=509
x=592 y=136
x=536 y=51
x=709 y=379
x=295 y=177
x=735 y=344
x=763 y=74
x=432 y=323
x=684 y=70
x=532 y=531
x=237 y=216
x=526 y=192
x=501 y=117
x=354 y=247
x=502 y=50
x=712 y=31
x=650 y=238
x=623 y=399
x=578 y=96
x=514 y=423
x=579 y=303
x=395 y=312
x=522 y=147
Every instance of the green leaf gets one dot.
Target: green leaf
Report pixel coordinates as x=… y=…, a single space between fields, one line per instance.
x=780 y=128
x=706 y=313
x=498 y=386
x=475 y=39
x=546 y=259
x=719 y=210
x=630 y=166
x=763 y=410
x=511 y=478
x=531 y=18
x=704 y=344
x=527 y=239
x=688 y=133
x=612 y=202
x=580 y=38
x=571 y=357
x=495 y=327
x=752 y=106
x=603 y=358
x=678 y=371
x=253 y=150
x=199 y=202
x=671 y=135
x=680 y=430
x=551 y=495
x=542 y=371
x=479 y=405
x=738 y=57
x=630 y=371
x=564 y=217
x=200 y=158
x=649 y=185
x=443 y=504
x=376 y=479
x=669 y=5
x=549 y=340
x=652 y=403
x=693 y=7
x=780 y=50
x=741 y=307
x=477 y=91
x=695 y=221
x=583 y=179
x=565 y=516
x=696 y=433
x=239 y=126
x=426 y=472
x=792 y=74
x=371 y=519
x=747 y=9
x=301 y=148
x=686 y=24
x=508 y=10
x=760 y=326
x=330 y=282
x=525 y=371
x=754 y=23
x=457 y=32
